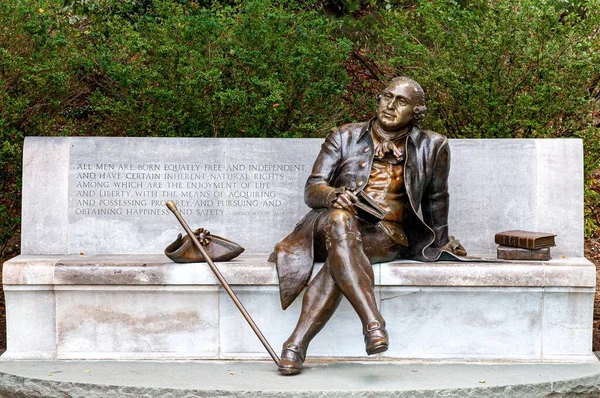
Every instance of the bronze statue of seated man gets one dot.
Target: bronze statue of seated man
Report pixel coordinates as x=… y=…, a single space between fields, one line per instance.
x=403 y=169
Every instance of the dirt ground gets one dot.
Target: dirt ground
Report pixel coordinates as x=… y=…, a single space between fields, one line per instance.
x=11 y=249
x=592 y=253
x=2 y=322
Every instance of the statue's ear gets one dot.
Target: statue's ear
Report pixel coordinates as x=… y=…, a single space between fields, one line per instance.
x=419 y=112
x=378 y=97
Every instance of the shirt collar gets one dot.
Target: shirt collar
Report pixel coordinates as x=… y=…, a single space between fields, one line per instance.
x=382 y=145
x=367 y=128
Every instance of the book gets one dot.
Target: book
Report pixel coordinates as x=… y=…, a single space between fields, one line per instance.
x=518 y=253
x=368 y=209
x=525 y=239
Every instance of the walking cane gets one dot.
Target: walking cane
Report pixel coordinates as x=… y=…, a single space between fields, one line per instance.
x=215 y=270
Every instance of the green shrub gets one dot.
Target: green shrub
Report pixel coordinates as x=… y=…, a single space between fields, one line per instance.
x=496 y=68
x=591 y=142
x=162 y=68
x=254 y=69
x=286 y=68
x=10 y=188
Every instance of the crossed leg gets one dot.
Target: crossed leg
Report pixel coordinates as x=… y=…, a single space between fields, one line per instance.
x=350 y=246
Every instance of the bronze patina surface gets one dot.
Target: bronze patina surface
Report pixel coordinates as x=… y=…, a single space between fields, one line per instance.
x=402 y=167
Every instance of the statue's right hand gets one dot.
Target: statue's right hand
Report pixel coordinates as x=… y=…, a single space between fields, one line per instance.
x=345 y=201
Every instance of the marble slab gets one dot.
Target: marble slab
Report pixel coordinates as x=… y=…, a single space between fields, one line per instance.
x=93 y=283
x=31 y=322
x=255 y=270
x=145 y=307
x=463 y=323
x=94 y=322
x=101 y=195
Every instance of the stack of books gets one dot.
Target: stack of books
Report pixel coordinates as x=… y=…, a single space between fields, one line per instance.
x=524 y=245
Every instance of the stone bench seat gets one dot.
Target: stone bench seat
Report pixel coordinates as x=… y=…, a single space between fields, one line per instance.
x=255 y=270
x=147 y=307
x=92 y=283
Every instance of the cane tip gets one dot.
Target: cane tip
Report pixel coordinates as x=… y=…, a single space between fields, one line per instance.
x=171 y=205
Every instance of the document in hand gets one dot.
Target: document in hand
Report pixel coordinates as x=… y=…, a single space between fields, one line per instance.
x=368 y=209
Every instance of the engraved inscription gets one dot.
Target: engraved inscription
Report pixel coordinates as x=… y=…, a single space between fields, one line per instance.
x=142 y=189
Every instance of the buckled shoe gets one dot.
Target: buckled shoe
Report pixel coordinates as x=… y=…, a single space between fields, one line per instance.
x=376 y=338
x=291 y=360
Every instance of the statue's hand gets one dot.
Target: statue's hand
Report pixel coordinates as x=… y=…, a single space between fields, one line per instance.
x=345 y=200
x=454 y=246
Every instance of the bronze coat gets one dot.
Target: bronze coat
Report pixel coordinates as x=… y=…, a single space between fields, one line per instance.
x=345 y=161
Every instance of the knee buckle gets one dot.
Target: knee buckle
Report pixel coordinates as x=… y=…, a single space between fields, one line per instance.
x=341 y=237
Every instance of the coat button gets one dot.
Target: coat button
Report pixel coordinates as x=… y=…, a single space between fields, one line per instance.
x=366 y=149
x=363 y=164
x=359 y=183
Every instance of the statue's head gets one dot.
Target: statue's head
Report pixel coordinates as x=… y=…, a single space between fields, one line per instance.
x=401 y=104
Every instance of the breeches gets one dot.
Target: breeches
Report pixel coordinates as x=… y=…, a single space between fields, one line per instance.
x=335 y=224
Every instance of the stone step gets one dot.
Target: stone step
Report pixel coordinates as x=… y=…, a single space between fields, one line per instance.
x=125 y=379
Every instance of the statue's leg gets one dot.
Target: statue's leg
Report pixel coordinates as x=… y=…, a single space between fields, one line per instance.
x=321 y=299
x=350 y=267
x=347 y=271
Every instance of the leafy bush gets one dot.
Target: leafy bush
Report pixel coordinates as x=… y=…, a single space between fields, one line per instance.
x=263 y=68
x=162 y=68
x=253 y=69
x=591 y=143
x=496 y=68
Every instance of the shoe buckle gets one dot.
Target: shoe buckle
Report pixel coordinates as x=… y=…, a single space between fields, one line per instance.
x=371 y=326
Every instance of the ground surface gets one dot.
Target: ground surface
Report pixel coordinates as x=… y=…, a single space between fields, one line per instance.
x=324 y=379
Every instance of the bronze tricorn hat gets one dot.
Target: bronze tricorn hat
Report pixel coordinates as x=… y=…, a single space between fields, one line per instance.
x=218 y=248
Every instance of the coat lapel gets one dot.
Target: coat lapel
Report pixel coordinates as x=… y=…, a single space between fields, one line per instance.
x=412 y=170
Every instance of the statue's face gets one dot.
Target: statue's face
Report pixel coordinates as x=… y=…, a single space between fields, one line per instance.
x=396 y=105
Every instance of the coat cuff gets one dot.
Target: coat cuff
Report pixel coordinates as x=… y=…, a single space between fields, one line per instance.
x=331 y=196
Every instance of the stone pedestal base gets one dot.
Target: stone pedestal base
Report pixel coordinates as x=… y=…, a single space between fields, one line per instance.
x=146 y=307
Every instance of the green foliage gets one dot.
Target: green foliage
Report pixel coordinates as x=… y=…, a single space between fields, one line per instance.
x=289 y=68
x=10 y=161
x=162 y=68
x=142 y=67
x=591 y=143
x=246 y=69
x=498 y=68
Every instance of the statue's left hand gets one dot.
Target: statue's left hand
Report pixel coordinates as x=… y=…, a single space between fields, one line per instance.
x=454 y=247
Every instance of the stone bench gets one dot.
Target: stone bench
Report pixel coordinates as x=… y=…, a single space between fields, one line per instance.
x=92 y=282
